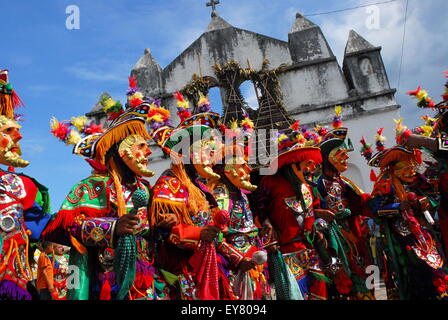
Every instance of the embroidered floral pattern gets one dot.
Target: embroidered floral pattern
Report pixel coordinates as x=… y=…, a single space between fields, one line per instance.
x=12 y=184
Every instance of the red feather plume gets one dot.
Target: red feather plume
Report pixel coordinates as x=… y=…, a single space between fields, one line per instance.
x=132 y=82
x=179 y=96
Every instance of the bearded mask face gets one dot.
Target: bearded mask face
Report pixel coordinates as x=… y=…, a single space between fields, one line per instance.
x=10 y=153
x=404 y=171
x=238 y=173
x=305 y=170
x=338 y=158
x=134 y=151
x=308 y=167
x=204 y=156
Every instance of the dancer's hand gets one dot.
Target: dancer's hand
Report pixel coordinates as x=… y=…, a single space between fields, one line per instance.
x=321 y=239
x=417 y=141
x=169 y=221
x=327 y=215
x=246 y=264
x=424 y=204
x=405 y=205
x=126 y=224
x=208 y=233
x=266 y=229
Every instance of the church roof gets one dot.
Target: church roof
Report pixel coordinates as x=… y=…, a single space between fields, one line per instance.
x=217 y=23
x=356 y=43
x=145 y=61
x=301 y=24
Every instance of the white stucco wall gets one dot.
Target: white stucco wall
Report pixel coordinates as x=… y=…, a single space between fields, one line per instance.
x=313 y=85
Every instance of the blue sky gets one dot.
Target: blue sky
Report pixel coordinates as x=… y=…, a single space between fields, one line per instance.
x=60 y=72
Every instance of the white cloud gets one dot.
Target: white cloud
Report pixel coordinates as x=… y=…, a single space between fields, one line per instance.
x=101 y=70
x=32 y=147
x=39 y=89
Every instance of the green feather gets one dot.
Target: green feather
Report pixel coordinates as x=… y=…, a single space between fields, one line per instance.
x=169 y=277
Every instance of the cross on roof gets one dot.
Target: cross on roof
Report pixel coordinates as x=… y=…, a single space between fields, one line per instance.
x=212 y=4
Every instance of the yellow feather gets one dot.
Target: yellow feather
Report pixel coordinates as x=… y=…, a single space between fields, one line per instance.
x=247 y=122
x=282 y=137
x=79 y=122
x=202 y=99
x=73 y=137
x=108 y=103
x=234 y=124
x=427 y=130
x=137 y=95
x=422 y=94
x=337 y=110
x=399 y=121
x=54 y=123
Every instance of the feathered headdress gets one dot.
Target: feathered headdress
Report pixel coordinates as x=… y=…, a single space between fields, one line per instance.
x=158 y=116
x=366 y=149
x=366 y=152
x=422 y=96
x=334 y=138
x=247 y=124
x=203 y=103
x=134 y=96
x=113 y=108
x=92 y=141
x=445 y=93
x=296 y=146
x=427 y=129
x=301 y=135
x=385 y=157
x=9 y=100
x=401 y=132
x=239 y=134
x=337 y=120
x=321 y=131
x=72 y=131
x=431 y=128
x=183 y=107
x=379 y=140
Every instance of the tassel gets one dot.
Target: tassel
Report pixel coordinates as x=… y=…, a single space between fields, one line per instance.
x=12 y=291
x=161 y=206
x=373 y=176
x=196 y=198
x=6 y=106
x=105 y=290
x=125 y=264
x=118 y=189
